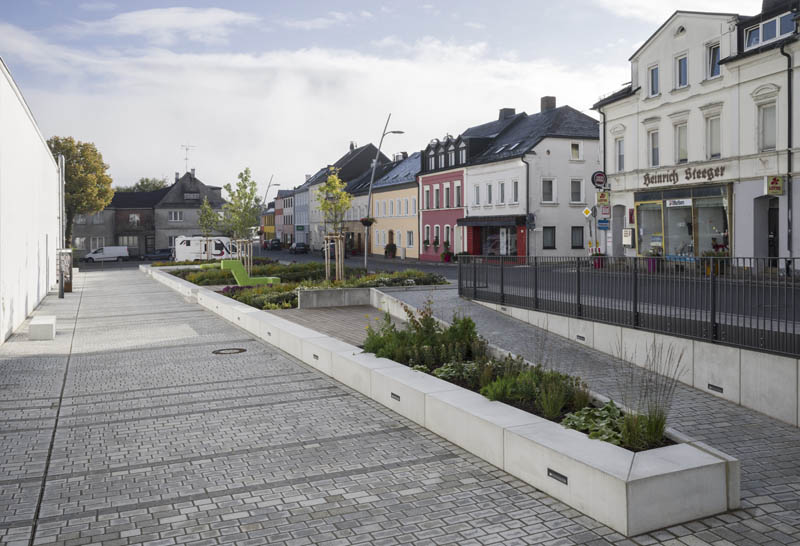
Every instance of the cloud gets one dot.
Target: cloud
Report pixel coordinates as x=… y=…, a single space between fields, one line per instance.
x=282 y=112
x=334 y=18
x=97 y=6
x=167 y=26
x=658 y=12
x=472 y=24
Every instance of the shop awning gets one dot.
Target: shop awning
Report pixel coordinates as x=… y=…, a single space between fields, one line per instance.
x=496 y=221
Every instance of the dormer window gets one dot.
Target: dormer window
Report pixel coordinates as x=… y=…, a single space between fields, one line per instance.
x=451 y=155
x=769 y=30
x=500 y=149
x=513 y=146
x=462 y=153
x=431 y=161
x=441 y=160
x=191 y=196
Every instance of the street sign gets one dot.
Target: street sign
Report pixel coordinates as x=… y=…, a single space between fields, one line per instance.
x=603 y=224
x=599 y=179
x=587 y=212
x=603 y=198
x=605 y=211
x=774 y=185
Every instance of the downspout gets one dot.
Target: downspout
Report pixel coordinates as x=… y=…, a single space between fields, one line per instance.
x=790 y=76
x=605 y=152
x=528 y=250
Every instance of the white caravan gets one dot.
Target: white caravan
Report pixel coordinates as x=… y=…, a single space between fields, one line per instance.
x=108 y=254
x=194 y=248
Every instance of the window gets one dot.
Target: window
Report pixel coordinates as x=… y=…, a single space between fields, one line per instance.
x=488 y=194
x=619 y=147
x=767 y=128
x=501 y=197
x=413 y=206
x=713 y=138
x=383 y=208
x=652 y=147
x=431 y=162
x=128 y=240
x=409 y=239
x=548 y=191
x=405 y=206
x=191 y=196
x=458 y=195
x=451 y=156
x=398 y=209
x=462 y=154
x=681 y=148
x=576 y=190
x=436 y=202
x=426 y=203
x=769 y=30
x=79 y=243
x=681 y=71
x=575 y=151
x=134 y=218
x=80 y=218
x=477 y=194
x=441 y=160
x=175 y=216
x=500 y=148
x=577 y=236
x=427 y=234
x=653 y=73
x=515 y=191
x=97 y=218
x=391 y=208
x=436 y=233
x=787 y=24
x=96 y=242
x=713 y=61
x=549 y=237
x=447 y=196
x=447 y=235
x=752 y=37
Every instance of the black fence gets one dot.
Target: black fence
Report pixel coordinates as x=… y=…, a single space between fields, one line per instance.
x=743 y=302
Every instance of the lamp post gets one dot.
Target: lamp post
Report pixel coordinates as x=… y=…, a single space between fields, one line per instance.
x=371 y=180
x=266 y=194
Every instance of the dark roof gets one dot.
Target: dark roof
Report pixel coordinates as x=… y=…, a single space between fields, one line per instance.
x=284 y=193
x=360 y=184
x=491 y=129
x=348 y=165
x=625 y=92
x=137 y=199
x=562 y=122
x=403 y=172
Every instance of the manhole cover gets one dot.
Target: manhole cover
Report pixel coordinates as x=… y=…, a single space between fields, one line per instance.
x=231 y=351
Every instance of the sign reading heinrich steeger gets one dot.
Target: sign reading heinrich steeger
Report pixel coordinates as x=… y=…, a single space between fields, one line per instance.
x=690 y=174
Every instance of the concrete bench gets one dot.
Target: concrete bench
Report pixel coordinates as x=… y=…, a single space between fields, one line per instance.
x=43 y=327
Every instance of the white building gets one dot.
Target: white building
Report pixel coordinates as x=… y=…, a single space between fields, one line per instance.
x=29 y=209
x=701 y=131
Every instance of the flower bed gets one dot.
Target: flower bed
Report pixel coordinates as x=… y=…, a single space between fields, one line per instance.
x=457 y=354
x=256 y=261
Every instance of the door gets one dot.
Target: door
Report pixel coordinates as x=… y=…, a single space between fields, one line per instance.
x=617 y=225
x=150 y=244
x=391 y=237
x=772 y=232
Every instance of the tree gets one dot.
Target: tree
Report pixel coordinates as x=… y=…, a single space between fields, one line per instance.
x=243 y=210
x=146 y=184
x=208 y=220
x=333 y=201
x=87 y=185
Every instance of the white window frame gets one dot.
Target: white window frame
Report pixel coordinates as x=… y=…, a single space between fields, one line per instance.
x=442 y=163
x=437 y=234
x=79 y=243
x=760 y=27
x=451 y=156
x=97 y=218
x=476 y=195
x=709 y=119
x=413 y=206
x=678 y=59
x=405 y=206
x=431 y=161
x=651 y=92
x=677 y=130
x=710 y=61
x=583 y=191
x=619 y=154
x=426 y=203
x=457 y=202
x=515 y=191
x=580 y=150
x=553 y=192
x=447 y=197
x=391 y=207
x=489 y=195
x=409 y=239
x=462 y=154
x=760 y=119
x=437 y=197
x=428 y=233
x=501 y=193
x=171 y=241
x=650 y=162
x=175 y=216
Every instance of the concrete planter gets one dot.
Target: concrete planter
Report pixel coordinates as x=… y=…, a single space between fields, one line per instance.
x=631 y=493
x=335 y=297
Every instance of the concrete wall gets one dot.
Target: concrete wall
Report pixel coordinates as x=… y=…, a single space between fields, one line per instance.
x=29 y=209
x=309 y=299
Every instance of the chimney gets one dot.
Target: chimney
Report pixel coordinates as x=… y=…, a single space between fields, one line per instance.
x=307 y=177
x=506 y=113
x=548 y=103
x=192 y=172
x=352 y=145
x=405 y=155
x=177 y=176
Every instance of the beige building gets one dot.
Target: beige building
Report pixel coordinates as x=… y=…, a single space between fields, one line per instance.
x=394 y=207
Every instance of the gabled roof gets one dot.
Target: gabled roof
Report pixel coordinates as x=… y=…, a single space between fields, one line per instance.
x=403 y=172
x=670 y=18
x=360 y=184
x=625 y=92
x=493 y=128
x=284 y=193
x=561 y=122
x=350 y=165
x=137 y=199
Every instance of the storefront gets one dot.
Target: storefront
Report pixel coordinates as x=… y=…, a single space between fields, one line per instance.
x=691 y=221
x=495 y=235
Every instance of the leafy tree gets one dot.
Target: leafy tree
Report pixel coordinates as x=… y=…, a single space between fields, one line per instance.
x=333 y=201
x=146 y=184
x=208 y=219
x=88 y=186
x=243 y=210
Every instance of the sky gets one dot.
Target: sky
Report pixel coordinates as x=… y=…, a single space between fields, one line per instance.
x=284 y=87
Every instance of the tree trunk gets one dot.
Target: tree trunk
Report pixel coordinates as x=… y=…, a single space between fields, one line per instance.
x=68 y=229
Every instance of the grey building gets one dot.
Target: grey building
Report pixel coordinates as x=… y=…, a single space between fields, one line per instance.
x=178 y=211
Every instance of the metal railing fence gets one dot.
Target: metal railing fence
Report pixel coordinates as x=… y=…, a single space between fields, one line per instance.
x=743 y=302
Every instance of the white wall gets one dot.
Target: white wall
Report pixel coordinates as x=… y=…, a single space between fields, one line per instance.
x=29 y=209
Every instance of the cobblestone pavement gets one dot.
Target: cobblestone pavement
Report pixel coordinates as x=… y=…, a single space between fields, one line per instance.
x=346 y=323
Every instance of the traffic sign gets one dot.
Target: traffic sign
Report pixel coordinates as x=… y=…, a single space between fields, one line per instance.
x=587 y=212
x=599 y=179
x=603 y=224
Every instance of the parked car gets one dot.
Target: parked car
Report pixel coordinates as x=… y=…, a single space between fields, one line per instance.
x=332 y=246
x=159 y=255
x=108 y=254
x=298 y=248
x=274 y=244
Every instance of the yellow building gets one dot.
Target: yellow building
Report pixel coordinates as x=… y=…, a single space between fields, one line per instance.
x=394 y=207
x=268 y=225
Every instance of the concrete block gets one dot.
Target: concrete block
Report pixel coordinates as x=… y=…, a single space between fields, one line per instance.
x=42 y=328
x=672 y=485
x=718 y=366
x=546 y=455
x=473 y=422
x=354 y=369
x=581 y=331
x=558 y=325
x=607 y=338
x=520 y=314
x=403 y=390
x=505 y=309
x=337 y=297
x=318 y=352
x=636 y=344
x=538 y=319
x=292 y=336
x=733 y=473
x=680 y=346
x=267 y=328
x=769 y=384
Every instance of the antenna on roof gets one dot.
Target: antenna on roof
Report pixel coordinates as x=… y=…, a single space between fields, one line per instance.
x=186 y=148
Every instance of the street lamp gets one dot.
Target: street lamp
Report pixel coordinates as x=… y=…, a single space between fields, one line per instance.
x=371 y=180
x=269 y=185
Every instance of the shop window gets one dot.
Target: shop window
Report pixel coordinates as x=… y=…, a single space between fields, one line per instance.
x=679 y=227
x=549 y=237
x=577 y=236
x=712 y=224
x=650 y=228
x=498 y=241
x=713 y=138
x=681 y=146
x=767 y=127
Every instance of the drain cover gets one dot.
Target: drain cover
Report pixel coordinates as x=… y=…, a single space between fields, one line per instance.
x=231 y=351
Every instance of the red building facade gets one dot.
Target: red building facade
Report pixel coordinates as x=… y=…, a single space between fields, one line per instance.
x=441 y=206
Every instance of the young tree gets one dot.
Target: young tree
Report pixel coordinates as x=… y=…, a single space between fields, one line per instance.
x=88 y=187
x=333 y=201
x=208 y=220
x=243 y=209
x=146 y=184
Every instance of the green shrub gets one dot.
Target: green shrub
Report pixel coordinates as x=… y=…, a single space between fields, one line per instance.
x=599 y=423
x=554 y=391
x=502 y=389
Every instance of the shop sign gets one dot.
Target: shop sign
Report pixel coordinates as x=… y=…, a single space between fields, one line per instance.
x=691 y=174
x=599 y=179
x=679 y=203
x=605 y=211
x=775 y=185
x=603 y=224
x=300 y=228
x=603 y=198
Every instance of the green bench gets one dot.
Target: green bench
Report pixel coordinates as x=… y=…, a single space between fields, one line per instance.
x=241 y=276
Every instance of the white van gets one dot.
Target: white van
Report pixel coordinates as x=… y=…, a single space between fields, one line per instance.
x=194 y=248
x=108 y=254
